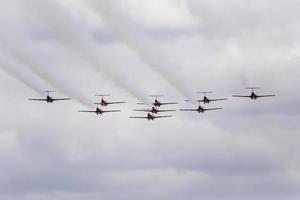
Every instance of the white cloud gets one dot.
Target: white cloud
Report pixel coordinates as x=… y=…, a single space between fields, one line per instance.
x=158 y=13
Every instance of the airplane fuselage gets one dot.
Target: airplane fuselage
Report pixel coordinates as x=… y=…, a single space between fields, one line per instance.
x=103 y=103
x=98 y=111
x=253 y=96
x=206 y=100
x=49 y=99
x=150 y=117
x=157 y=103
x=200 y=109
x=154 y=110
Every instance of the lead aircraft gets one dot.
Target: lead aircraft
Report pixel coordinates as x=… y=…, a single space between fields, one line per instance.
x=106 y=103
x=99 y=111
x=50 y=99
x=201 y=109
x=153 y=110
x=152 y=117
x=253 y=95
x=158 y=103
x=208 y=100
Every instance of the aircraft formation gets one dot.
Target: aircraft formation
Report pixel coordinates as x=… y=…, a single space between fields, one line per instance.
x=153 y=112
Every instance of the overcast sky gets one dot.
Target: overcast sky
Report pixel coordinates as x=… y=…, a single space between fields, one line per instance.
x=133 y=48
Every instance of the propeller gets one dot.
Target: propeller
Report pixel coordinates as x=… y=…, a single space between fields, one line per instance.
x=102 y=95
x=49 y=91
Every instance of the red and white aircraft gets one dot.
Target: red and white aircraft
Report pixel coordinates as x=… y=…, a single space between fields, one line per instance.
x=200 y=109
x=158 y=103
x=208 y=100
x=253 y=95
x=153 y=110
x=106 y=103
x=49 y=99
x=99 y=111
x=152 y=117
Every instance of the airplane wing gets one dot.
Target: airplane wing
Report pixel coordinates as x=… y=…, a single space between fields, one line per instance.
x=143 y=110
x=162 y=116
x=271 y=95
x=166 y=110
x=149 y=110
x=37 y=99
x=241 y=96
x=111 y=111
x=139 y=117
x=169 y=103
x=218 y=99
x=61 y=99
x=89 y=111
x=212 y=109
x=188 y=110
x=116 y=102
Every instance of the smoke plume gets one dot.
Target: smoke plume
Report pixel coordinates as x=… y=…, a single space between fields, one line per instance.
x=124 y=28
x=22 y=74
x=59 y=22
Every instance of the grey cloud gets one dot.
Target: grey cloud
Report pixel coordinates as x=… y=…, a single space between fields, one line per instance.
x=249 y=150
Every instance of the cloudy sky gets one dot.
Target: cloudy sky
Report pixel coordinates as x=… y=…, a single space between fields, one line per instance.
x=133 y=48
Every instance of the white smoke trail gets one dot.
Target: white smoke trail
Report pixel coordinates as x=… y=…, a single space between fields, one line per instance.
x=20 y=50
x=22 y=74
x=244 y=80
x=125 y=30
x=14 y=43
x=43 y=70
x=69 y=32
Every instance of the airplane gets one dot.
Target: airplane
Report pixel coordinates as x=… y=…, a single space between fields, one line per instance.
x=253 y=95
x=98 y=110
x=49 y=99
x=208 y=100
x=151 y=117
x=158 y=103
x=106 y=103
x=200 y=109
x=153 y=110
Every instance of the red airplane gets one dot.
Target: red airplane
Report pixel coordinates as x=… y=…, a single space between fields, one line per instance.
x=106 y=103
x=151 y=117
x=200 y=109
x=49 y=99
x=98 y=111
x=208 y=100
x=253 y=95
x=158 y=103
x=153 y=110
